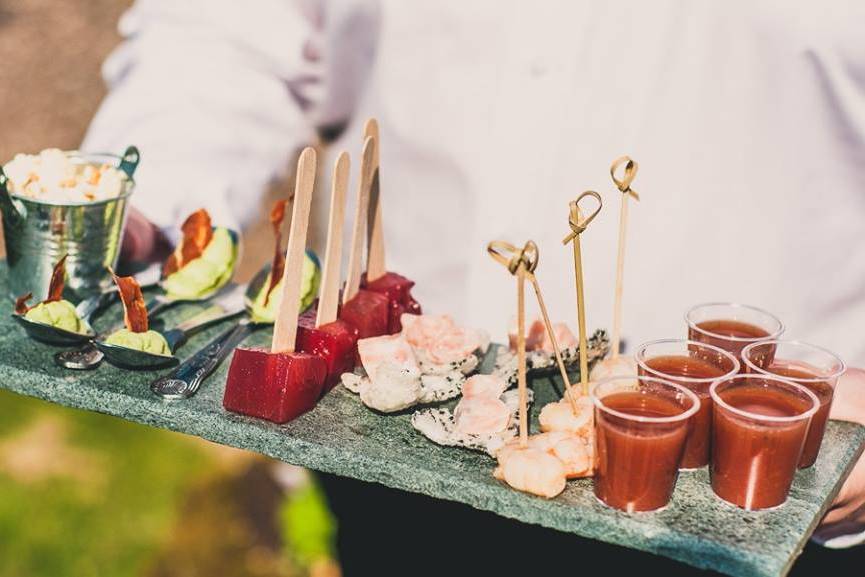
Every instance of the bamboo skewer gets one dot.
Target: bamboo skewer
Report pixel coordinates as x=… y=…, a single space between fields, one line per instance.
x=578 y=223
x=521 y=355
x=624 y=186
x=375 y=261
x=355 y=259
x=285 y=326
x=328 y=301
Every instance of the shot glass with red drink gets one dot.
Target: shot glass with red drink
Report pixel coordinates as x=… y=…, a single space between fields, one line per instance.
x=731 y=326
x=759 y=427
x=812 y=367
x=642 y=426
x=694 y=366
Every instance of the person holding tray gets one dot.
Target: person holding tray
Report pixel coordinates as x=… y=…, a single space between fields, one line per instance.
x=748 y=116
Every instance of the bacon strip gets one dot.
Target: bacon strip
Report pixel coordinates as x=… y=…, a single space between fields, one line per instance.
x=134 y=310
x=197 y=233
x=55 y=288
x=277 y=265
x=21 y=307
x=58 y=280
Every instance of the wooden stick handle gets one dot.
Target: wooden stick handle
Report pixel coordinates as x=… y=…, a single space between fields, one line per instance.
x=375 y=265
x=285 y=328
x=521 y=355
x=328 y=302
x=629 y=172
x=355 y=259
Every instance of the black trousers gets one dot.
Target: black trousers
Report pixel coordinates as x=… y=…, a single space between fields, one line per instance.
x=386 y=532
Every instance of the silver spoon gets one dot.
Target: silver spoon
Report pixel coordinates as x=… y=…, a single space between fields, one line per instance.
x=89 y=356
x=185 y=380
x=85 y=310
x=228 y=304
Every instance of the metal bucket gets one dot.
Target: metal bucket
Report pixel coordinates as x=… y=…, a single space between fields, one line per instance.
x=39 y=233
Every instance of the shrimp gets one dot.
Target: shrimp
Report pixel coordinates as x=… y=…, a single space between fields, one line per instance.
x=484 y=386
x=532 y=471
x=620 y=366
x=574 y=452
x=559 y=416
x=483 y=415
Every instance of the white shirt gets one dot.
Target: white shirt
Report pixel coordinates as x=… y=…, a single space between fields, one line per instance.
x=747 y=119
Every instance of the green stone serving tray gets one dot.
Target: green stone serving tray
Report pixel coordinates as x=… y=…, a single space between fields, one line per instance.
x=343 y=437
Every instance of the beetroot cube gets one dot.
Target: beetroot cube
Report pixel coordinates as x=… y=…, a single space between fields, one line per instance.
x=368 y=312
x=397 y=289
x=277 y=387
x=335 y=342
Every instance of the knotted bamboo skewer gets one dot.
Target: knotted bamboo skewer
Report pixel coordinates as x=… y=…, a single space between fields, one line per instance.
x=522 y=263
x=578 y=223
x=624 y=186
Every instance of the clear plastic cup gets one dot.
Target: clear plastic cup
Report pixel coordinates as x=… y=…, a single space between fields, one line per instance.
x=811 y=366
x=694 y=366
x=641 y=428
x=759 y=427
x=731 y=326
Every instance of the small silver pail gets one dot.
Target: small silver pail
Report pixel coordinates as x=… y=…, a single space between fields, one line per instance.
x=39 y=233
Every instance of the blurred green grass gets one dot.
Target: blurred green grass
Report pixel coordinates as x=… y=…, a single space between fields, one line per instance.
x=101 y=496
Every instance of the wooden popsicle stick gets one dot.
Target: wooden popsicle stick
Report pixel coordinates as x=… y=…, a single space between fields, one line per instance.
x=521 y=355
x=285 y=327
x=375 y=261
x=578 y=223
x=355 y=259
x=624 y=186
x=328 y=300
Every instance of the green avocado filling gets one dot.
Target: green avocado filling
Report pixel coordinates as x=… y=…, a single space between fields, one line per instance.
x=59 y=314
x=149 y=342
x=308 y=290
x=209 y=272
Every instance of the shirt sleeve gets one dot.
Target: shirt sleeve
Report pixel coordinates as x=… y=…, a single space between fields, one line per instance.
x=218 y=95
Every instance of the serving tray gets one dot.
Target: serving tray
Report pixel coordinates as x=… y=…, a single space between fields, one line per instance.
x=343 y=437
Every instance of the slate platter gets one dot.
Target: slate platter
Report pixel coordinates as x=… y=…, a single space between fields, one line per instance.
x=342 y=437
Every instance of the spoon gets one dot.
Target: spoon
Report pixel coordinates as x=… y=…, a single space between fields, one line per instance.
x=227 y=305
x=185 y=380
x=85 y=310
x=89 y=356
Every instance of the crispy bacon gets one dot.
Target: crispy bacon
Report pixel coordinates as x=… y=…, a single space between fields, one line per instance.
x=197 y=233
x=21 y=307
x=277 y=265
x=58 y=280
x=134 y=310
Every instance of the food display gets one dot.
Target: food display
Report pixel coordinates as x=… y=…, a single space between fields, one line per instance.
x=54 y=311
x=282 y=383
x=641 y=436
x=760 y=426
x=136 y=333
x=694 y=366
x=203 y=261
x=815 y=368
x=54 y=176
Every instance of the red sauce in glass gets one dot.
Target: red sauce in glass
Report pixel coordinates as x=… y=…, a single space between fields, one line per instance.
x=637 y=463
x=672 y=366
x=824 y=392
x=753 y=463
x=730 y=335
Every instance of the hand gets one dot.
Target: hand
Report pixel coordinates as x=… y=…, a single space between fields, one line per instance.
x=847 y=514
x=142 y=241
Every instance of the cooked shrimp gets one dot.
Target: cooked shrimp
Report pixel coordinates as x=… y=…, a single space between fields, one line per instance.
x=484 y=386
x=533 y=471
x=390 y=349
x=559 y=416
x=481 y=415
x=621 y=366
x=564 y=338
x=575 y=452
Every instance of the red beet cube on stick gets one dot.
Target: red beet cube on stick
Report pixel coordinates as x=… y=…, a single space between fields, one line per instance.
x=395 y=287
x=368 y=312
x=321 y=333
x=281 y=384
